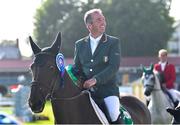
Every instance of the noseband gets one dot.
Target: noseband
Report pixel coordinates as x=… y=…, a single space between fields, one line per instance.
x=45 y=88
x=52 y=84
x=154 y=80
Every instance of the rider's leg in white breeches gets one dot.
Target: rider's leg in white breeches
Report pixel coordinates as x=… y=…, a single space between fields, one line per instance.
x=175 y=94
x=113 y=104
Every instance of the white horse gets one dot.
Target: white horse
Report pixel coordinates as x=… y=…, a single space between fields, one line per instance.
x=159 y=101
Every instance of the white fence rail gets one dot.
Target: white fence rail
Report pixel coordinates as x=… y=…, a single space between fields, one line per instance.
x=6 y=101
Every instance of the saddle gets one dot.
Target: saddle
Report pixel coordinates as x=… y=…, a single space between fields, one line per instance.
x=175 y=102
x=78 y=77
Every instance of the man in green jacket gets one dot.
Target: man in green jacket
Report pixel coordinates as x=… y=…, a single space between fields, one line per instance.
x=98 y=57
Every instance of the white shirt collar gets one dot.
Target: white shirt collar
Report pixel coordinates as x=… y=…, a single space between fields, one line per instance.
x=163 y=65
x=94 y=42
x=95 y=39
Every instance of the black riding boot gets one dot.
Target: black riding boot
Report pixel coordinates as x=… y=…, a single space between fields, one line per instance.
x=118 y=121
x=147 y=102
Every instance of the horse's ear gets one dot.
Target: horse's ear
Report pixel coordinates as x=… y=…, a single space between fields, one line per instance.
x=143 y=68
x=151 y=66
x=35 y=48
x=55 y=47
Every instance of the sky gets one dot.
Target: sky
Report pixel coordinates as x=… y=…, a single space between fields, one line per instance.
x=175 y=9
x=16 y=18
x=16 y=21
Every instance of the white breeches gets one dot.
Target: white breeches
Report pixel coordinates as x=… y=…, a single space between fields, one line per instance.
x=175 y=94
x=113 y=105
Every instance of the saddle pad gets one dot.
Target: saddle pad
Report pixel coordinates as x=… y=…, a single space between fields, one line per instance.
x=97 y=110
x=123 y=112
x=71 y=75
x=125 y=116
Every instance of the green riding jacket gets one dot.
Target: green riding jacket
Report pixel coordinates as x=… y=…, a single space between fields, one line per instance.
x=103 y=64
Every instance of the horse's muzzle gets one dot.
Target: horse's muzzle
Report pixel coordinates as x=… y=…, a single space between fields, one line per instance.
x=148 y=89
x=147 y=92
x=36 y=108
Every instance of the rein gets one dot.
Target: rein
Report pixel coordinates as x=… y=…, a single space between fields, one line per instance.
x=70 y=98
x=53 y=84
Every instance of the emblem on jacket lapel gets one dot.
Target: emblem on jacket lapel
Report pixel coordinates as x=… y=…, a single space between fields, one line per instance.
x=105 y=58
x=104 y=38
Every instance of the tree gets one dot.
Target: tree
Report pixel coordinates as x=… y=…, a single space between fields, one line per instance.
x=61 y=15
x=143 y=26
x=49 y=18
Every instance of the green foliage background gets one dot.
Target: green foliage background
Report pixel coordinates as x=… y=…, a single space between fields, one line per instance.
x=143 y=26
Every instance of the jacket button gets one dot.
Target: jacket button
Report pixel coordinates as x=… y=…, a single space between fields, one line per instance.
x=90 y=70
x=92 y=60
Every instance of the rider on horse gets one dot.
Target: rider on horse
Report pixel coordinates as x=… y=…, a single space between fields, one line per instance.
x=98 y=57
x=168 y=75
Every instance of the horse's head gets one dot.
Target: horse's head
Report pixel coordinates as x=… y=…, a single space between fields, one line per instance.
x=148 y=79
x=44 y=73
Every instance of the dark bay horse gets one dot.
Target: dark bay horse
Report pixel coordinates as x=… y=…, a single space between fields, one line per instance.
x=69 y=103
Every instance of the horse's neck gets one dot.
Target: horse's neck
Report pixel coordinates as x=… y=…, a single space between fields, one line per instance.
x=66 y=89
x=158 y=96
x=157 y=85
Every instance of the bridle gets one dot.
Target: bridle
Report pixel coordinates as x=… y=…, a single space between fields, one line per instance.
x=44 y=88
x=52 y=86
x=154 y=80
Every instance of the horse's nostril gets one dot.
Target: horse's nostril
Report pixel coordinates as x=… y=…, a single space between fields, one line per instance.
x=147 y=93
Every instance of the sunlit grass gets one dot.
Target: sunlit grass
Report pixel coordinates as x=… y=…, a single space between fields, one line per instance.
x=8 y=110
x=46 y=112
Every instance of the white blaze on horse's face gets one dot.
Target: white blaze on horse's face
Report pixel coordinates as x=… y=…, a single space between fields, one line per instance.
x=148 y=81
